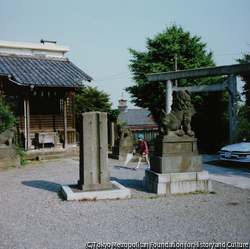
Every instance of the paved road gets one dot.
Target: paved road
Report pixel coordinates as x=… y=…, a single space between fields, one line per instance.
x=226 y=174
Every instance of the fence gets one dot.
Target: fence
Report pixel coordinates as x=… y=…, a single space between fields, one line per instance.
x=149 y=135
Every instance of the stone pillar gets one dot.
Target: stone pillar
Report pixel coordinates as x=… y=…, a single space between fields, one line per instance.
x=169 y=96
x=233 y=113
x=94 y=174
x=111 y=132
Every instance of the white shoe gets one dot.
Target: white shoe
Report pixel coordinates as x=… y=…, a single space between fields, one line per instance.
x=136 y=168
x=148 y=167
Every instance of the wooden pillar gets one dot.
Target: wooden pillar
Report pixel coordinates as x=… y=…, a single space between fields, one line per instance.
x=65 y=121
x=28 y=124
x=233 y=112
x=25 y=124
x=74 y=118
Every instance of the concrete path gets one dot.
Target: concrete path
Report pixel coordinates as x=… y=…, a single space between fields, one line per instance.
x=229 y=176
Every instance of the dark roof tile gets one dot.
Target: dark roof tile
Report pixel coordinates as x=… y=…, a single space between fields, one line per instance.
x=36 y=70
x=136 y=117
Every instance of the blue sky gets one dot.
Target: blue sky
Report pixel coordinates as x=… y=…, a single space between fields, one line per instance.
x=99 y=32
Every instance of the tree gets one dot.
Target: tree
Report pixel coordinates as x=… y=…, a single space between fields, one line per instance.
x=243 y=122
x=191 y=53
x=244 y=111
x=7 y=118
x=91 y=100
x=246 y=78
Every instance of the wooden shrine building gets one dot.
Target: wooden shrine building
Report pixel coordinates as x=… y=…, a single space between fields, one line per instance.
x=41 y=83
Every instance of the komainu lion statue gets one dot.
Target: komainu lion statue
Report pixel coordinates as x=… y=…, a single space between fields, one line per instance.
x=124 y=132
x=7 y=136
x=180 y=115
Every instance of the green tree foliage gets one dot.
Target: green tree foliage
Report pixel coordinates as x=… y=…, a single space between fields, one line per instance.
x=246 y=78
x=209 y=122
x=92 y=100
x=244 y=111
x=7 y=118
x=113 y=114
x=243 y=123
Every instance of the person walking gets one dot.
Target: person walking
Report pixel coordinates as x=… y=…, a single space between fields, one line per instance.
x=143 y=149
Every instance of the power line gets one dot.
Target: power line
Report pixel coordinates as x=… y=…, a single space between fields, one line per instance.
x=128 y=73
x=232 y=54
x=112 y=76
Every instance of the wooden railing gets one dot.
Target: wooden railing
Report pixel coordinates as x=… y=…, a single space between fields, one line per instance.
x=47 y=122
x=50 y=123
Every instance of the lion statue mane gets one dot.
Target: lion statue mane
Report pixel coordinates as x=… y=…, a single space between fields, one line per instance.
x=180 y=115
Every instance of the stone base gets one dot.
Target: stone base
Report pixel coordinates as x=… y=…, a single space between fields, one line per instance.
x=9 y=156
x=95 y=187
x=175 y=164
x=120 y=152
x=169 y=146
x=71 y=192
x=175 y=183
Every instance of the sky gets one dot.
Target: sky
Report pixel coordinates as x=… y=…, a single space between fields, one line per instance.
x=99 y=32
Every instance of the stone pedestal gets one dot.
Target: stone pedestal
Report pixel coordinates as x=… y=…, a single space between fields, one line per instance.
x=174 y=183
x=175 y=154
x=121 y=148
x=176 y=167
x=9 y=156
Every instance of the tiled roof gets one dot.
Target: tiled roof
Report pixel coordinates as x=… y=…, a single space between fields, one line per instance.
x=137 y=117
x=42 y=71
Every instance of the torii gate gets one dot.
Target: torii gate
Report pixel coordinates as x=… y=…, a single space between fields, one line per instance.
x=230 y=86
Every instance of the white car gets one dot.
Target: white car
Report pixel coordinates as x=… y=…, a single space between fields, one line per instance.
x=239 y=152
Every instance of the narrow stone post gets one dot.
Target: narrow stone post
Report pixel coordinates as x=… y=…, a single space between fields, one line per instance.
x=169 y=97
x=233 y=112
x=94 y=174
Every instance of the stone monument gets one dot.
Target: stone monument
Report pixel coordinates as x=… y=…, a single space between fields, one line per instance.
x=124 y=143
x=175 y=166
x=8 y=152
x=94 y=176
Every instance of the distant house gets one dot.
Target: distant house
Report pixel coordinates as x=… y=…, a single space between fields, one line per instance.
x=140 y=122
x=43 y=84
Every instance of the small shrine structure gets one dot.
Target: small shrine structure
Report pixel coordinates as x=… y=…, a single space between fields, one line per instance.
x=41 y=83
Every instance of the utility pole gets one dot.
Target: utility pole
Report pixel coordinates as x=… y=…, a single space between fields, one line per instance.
x=175 y=58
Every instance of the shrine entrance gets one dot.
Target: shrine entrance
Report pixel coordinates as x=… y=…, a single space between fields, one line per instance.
x=230 y=86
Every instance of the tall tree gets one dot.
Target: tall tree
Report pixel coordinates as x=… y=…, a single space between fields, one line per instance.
x=91 y=99
x=246 y=78
x=244 y=111
x=190 y=52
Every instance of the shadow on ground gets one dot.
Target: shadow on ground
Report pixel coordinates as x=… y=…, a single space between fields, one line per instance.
x=45 y=185
x=245 y=167
x=130 y=183
x=123 y=167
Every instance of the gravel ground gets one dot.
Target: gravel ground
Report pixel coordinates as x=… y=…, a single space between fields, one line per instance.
x=34 y=214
